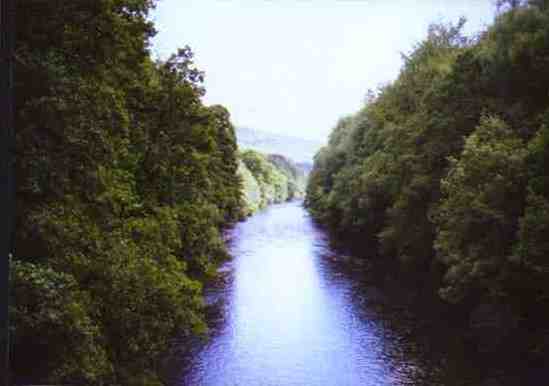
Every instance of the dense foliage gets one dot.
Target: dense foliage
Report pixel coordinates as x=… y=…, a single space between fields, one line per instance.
x=269 y=179
x=125 y=180
x=445 y=171
x=294 y=173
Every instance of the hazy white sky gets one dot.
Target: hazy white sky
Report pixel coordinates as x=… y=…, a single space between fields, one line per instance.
x=296 y=66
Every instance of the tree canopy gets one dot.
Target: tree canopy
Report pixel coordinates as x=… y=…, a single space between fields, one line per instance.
x=125 y=181
x=269 y=179
x=443 y=172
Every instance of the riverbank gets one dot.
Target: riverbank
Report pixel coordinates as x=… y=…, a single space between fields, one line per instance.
x=440 y=180
x=488 y=334
x=293 y=309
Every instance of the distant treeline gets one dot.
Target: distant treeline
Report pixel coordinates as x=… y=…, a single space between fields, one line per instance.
x=445 y=171
x=269 y=179
x=125 y=180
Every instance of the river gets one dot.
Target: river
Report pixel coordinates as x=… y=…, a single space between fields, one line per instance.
x=288 y=315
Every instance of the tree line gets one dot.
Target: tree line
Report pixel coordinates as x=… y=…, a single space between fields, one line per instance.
x=269 y=179
x=444 y=172
x=125 y=182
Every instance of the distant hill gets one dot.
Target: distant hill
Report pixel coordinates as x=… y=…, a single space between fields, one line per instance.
x=297 y=149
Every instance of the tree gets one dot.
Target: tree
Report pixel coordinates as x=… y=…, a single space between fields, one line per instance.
x=477 y=217
x=126 y=181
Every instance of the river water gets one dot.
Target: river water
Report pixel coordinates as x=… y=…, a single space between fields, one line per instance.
x=288 y=315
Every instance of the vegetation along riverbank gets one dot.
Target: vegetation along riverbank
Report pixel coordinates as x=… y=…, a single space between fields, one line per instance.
x=126 y=181
x=442 y=177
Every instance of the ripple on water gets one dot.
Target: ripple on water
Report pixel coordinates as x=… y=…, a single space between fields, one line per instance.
x=289 y=318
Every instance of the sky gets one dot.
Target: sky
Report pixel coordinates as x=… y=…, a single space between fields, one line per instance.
x=295 y=67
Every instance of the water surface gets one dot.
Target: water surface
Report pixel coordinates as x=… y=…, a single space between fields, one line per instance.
x=288 y=316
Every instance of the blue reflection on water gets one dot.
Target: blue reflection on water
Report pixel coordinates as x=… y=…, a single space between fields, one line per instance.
x=289 y=318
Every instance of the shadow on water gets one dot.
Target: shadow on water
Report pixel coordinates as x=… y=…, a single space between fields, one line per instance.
x=287 y=311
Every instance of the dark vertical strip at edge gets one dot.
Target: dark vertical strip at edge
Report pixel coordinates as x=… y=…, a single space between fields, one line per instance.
x=7 y=189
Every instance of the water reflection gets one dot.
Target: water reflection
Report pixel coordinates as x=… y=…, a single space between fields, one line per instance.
x=289 y=317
